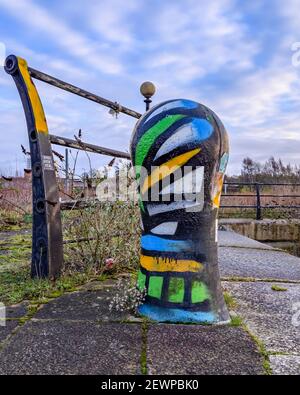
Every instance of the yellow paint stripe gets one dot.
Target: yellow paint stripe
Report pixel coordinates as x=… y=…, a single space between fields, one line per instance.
x=157 y=264
x=168 y=168
x=218 y=190
x=38 y=111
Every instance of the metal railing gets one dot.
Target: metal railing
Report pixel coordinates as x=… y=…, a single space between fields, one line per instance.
x=47 y=238
x=258 y=196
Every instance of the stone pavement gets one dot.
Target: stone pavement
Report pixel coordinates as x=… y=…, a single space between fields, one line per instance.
x=77 y=334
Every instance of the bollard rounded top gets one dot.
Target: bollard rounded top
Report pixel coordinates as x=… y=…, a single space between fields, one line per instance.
x=147 y=89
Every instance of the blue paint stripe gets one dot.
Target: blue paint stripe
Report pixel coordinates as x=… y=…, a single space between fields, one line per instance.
x=202 y=129
x=180 y=103
x=156 y=243
x=223 y=162
x=162 y=314
x=194 y=132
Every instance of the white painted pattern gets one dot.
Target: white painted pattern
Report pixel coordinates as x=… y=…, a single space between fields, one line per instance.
x=166 y=228
x=182 y=204
x=191 y=183
x=183 y=135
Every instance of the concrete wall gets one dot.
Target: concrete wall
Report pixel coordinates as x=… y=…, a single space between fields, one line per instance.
x=277 y=233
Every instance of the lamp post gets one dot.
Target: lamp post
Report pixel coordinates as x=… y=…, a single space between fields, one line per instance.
x=147 y=89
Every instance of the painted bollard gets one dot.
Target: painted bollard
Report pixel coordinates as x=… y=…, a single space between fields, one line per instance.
x=179 y=151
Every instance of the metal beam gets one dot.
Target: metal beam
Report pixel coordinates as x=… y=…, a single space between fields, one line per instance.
x=65 y=142
x=81 y=92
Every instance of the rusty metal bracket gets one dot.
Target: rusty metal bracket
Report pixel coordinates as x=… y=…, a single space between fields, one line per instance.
x=47 y=241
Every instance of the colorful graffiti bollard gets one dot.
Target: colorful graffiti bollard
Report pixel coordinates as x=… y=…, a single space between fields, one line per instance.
x=179 y=150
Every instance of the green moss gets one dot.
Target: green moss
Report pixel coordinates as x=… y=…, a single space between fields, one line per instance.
x=240 y=279
x=229 y=300
x=278 y=288
x=40 y=301
x=31 y=310
x=262 y=350
x=84 y=262
x=54 y=294
x=236 y=321
x=16 y=285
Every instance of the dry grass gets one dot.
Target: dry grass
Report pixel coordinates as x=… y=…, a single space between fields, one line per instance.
x=239 y=199
x=110 y=232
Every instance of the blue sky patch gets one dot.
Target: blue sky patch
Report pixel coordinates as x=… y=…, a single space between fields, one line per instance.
x=237 y=61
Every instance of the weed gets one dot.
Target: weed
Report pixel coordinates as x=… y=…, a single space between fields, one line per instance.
x=236 y=321
x=229 y=300
x=278 y=288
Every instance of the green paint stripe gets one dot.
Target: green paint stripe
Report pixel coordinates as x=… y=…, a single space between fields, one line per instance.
x=141 y=280
x=176 y=290
x=155 y=286
x=148 y=138
x=199 y=292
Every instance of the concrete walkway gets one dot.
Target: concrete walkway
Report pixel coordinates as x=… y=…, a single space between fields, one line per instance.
x=76 y=333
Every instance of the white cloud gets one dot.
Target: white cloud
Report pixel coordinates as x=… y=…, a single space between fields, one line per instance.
x=207 y=51
x=2 y=53
x=257 y=97
x=4 y=81
x=290 y=11
x=193 y=40
x=48 y=63
x=73 y=42
x=111 y=19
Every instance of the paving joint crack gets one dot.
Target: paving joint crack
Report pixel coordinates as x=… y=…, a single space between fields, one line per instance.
x=252 y=248
x=144 y=361
x=258 y=280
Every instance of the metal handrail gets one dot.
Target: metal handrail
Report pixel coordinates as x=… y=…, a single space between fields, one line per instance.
x=80 y=145
x=39 y=75
x=47 y=238
x=258 y=196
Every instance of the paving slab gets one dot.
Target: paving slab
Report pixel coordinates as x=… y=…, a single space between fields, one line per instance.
x=6 y=331
x=270 y=315
x=13 y=313
x=260 y=264
x=229 y=238
x=73 y=348
x=17 y=310
x=82 y=305
x=285 y=364
x=195 y=349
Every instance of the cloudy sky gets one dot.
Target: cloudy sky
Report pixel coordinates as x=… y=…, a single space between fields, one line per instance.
x=234 y=56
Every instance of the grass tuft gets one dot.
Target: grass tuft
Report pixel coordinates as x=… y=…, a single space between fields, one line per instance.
x=277 y=288
x=236 y=321
x=229 y=300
